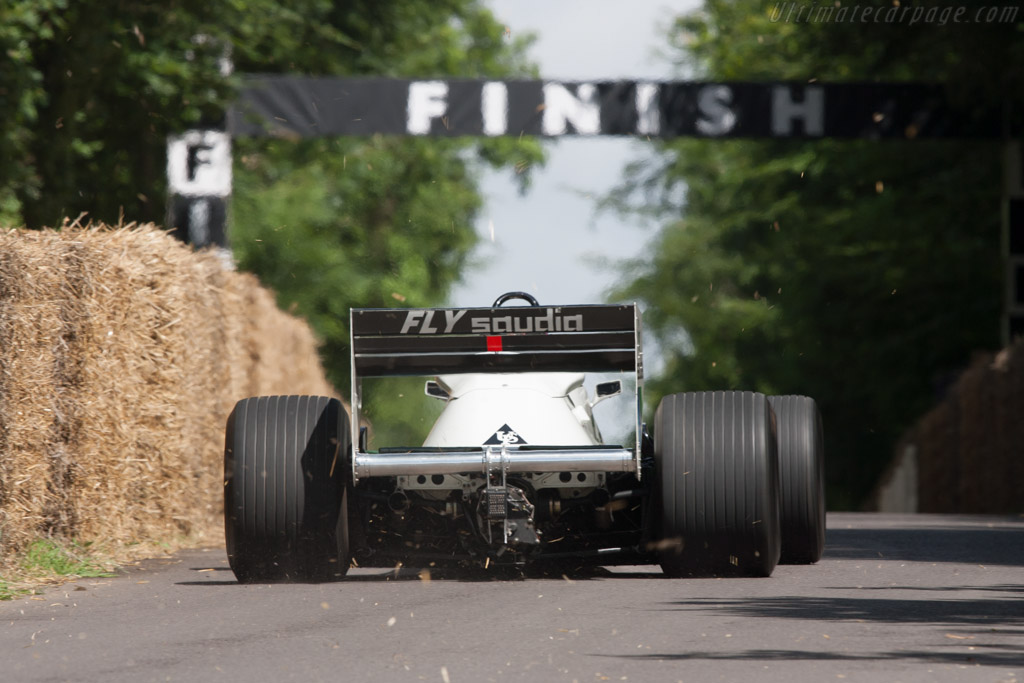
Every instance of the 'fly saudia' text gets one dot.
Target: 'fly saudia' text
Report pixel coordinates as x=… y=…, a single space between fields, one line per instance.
x=433 y=322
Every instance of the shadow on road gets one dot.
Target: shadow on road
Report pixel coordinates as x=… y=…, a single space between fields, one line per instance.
x=1000 y=588
x=1013 y=657
x=1006 y=611
x=978 y=545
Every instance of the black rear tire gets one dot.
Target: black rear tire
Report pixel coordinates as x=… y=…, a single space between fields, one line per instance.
x=801 y=478
x=285 y=510
x=715 y=455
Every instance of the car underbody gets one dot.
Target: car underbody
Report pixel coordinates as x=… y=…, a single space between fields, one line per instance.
x=495 y=520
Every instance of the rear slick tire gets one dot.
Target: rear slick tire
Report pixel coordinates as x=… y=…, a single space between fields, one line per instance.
x=285 y=508
x=715 y=454
x=801 y=478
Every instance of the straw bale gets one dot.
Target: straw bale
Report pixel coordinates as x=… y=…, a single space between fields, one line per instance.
x=971 y=446
x=122 y=352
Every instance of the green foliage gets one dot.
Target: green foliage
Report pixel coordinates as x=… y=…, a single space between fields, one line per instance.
x=95 y=92
x=861 y=273
x=331 y=224
x=9 y=592
x=91 y=92
x=21 y=95
x=398 y=411
x=46 y=556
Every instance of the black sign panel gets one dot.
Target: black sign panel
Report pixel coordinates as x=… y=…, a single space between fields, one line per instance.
x=291 y=106
x=199 y=220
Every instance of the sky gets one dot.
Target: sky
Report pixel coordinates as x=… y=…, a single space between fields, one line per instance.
x=552 y=242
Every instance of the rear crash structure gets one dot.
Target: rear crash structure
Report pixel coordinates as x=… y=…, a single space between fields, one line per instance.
x=515 y=471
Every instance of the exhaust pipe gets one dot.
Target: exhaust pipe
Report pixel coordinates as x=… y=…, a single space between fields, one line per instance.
x=398 y=502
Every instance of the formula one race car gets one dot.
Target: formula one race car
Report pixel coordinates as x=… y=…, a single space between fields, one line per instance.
x=515 y=471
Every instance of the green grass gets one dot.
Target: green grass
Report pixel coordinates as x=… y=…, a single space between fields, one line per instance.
x=47 y=560
x=46 y=556
x=9 y=593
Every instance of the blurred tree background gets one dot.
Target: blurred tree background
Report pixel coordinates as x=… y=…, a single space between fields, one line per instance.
x=863 y=273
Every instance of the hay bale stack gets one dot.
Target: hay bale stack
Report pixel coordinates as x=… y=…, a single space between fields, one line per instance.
x=971 y=446
x=121 y=354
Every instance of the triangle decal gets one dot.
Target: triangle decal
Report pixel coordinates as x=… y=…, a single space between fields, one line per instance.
x=505 y=435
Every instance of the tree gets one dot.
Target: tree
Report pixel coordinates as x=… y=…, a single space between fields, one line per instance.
x=332 y=224
x=861 y=273
x=94 y=90
x=91 y=89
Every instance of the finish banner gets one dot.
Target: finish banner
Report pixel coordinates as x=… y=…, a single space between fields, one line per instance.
x=294 y=106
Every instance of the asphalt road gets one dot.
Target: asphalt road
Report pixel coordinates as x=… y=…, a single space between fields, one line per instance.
x=897 y=598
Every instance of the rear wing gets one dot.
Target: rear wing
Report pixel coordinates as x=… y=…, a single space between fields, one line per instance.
x=387 y=342
x=433 y=341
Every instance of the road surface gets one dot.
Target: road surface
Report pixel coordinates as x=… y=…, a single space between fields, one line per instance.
x=896 y=598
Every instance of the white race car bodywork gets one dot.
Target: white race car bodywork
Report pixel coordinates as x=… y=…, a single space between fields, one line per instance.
x=514 y=409
x=489 y=410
